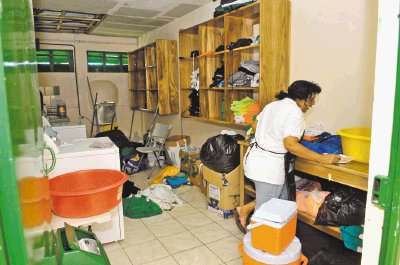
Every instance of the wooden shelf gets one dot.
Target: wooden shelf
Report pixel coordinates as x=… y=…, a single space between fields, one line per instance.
x=153 y=70
x=249 y=190
x=188 y=59
x=331 y=230
x=245 y=48
x=237 y=88
x=241 y=126
x=273 y=21
x=353 y=174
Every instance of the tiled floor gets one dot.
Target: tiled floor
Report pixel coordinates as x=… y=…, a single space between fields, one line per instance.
x=188 y=235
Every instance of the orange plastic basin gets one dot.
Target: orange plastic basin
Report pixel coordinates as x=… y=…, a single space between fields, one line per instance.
x=86 y=193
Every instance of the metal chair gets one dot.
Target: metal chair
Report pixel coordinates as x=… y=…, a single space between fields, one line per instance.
x=155 y=143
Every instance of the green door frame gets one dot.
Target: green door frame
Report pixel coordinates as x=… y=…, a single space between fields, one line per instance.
x=390 y=246
x=11 y=225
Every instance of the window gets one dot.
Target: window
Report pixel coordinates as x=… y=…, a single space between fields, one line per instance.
x=55 y=60
x=113 y=62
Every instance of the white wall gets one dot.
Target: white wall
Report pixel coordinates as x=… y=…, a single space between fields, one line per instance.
x=332 y=43
x=66 y=81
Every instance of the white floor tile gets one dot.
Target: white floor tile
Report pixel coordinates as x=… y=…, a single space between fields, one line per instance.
x=226 y=249
x=146 y=252
x=180 y=242
x=192 y=193
x=210 y=233
x=240 y=236
x=199 y=256
x=131 y=223
x=238 y=261
x=136 y=236
x=185 y=209
x=164 y=261
x=194 y=220
x=199 y=205
x=157 y=218
x=166 y=228
x=119 y=257
x=111 y=246
x=230 y=225
x=212 y=215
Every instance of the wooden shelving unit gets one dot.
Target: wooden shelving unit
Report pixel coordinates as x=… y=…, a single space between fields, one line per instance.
x=153 y=77
x=353 y=174
x=270 y=20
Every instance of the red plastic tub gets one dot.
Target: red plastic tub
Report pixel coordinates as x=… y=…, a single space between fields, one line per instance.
x=86 y=193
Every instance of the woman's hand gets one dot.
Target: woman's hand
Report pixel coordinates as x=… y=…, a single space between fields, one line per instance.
x=329 y=159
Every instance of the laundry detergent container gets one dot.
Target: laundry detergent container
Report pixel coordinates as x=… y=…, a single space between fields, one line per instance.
x=290 y=256
x=273 y=226
x=86 y=193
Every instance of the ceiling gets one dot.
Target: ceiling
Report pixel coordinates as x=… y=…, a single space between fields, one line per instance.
x=124 y=18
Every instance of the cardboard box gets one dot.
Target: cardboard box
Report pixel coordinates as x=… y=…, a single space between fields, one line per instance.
x=221 y=212
x=222 y=189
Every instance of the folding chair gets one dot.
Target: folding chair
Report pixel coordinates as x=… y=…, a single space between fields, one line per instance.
x=155 y=143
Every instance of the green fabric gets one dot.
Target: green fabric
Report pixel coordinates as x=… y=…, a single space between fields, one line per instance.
x=139 y=207
x=241 y=107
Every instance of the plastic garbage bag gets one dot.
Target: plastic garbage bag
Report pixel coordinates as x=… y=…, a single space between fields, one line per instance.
x=221 y=153
x=309 y=202
x=342 y=207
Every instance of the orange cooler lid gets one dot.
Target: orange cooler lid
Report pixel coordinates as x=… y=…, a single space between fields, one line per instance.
x=275 y=210
x=289 y=255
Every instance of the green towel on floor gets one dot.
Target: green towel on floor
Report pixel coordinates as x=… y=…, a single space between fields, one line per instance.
x=140 y=207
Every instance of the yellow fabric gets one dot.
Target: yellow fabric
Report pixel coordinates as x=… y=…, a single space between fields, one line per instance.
x=167 y=171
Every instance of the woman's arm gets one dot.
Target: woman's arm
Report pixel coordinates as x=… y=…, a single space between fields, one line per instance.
x=293 y=146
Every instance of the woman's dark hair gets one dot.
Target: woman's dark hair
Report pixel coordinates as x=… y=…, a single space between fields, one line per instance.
x=299 y=89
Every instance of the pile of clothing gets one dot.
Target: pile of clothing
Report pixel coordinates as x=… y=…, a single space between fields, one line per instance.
x=243 y=42
x=245 y=110
x=218 y=78
x=194 y=108
x=227 y=6
x=248 y=75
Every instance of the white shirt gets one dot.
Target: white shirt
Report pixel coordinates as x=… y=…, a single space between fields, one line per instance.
x=277 y=120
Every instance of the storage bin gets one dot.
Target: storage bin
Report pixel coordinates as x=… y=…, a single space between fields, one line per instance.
x=86 y=193
x=273 y=226
x=356 y=143
x=290 y=256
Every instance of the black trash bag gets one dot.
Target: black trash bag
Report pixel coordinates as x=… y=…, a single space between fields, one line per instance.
x=344 y=206
x=323 y=249
x=221 y=153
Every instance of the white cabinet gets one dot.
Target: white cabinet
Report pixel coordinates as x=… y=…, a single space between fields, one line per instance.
x=78 y=155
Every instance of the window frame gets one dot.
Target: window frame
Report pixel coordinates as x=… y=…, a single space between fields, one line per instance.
x=104 y=68
x=52 y=64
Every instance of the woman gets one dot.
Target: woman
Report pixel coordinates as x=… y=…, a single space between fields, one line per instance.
x=269 y=160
